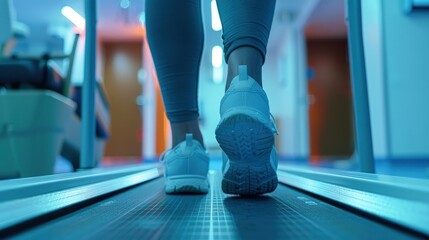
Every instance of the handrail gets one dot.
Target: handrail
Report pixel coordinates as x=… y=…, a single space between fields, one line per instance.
x=363 y=137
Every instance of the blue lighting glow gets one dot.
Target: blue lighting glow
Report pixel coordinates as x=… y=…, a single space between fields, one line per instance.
x=142 y=18
x=216 y=23
x=125 y=4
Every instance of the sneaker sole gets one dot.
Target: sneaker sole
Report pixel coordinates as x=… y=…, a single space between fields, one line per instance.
x=248 y=144
x=186 y=184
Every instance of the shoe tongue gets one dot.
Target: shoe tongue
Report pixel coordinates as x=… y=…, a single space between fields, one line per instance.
x=189 y=139
x=242 y=72
x=242 y=77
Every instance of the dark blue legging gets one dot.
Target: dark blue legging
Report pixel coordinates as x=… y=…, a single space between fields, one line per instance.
x=175 y=35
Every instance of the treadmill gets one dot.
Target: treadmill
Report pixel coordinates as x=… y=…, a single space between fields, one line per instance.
x=130 y=203
x=309 y=203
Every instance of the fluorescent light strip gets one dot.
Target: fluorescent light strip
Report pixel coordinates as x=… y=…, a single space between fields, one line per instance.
x=217 y=53
x=218 y=75
x=142 y=18
x=216 y=23
x=74 y=17
x=125 y=4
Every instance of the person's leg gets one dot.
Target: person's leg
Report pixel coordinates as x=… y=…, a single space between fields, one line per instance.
x=246 y=131
x=175 y=35
x=246 y=27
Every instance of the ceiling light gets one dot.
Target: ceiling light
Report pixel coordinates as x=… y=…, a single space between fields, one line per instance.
x=217 y=53
x=142 y=18
x=216 y=23
x=125 y=4
x=74 y=17
x=217 y=75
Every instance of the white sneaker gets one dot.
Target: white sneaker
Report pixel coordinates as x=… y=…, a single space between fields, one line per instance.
x=186 y=167
x=246 y=135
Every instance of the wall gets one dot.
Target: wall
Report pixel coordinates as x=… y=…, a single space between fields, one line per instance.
x=292 y=98
x=407 y=80
x=397 y=53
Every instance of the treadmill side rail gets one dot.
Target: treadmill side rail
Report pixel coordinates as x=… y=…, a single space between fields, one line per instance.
x=19 y=211
x=381 y=201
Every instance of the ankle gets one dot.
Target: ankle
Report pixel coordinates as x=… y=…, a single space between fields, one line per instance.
x=179 y=131
x=245 y=56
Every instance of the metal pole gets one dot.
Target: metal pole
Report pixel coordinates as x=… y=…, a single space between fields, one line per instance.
x=363 y=139
x=88 y=88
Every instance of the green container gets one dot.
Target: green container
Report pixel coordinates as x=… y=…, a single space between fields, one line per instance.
x=32 y=128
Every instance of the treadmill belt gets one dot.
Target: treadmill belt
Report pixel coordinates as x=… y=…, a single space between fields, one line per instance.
x=146 y=212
